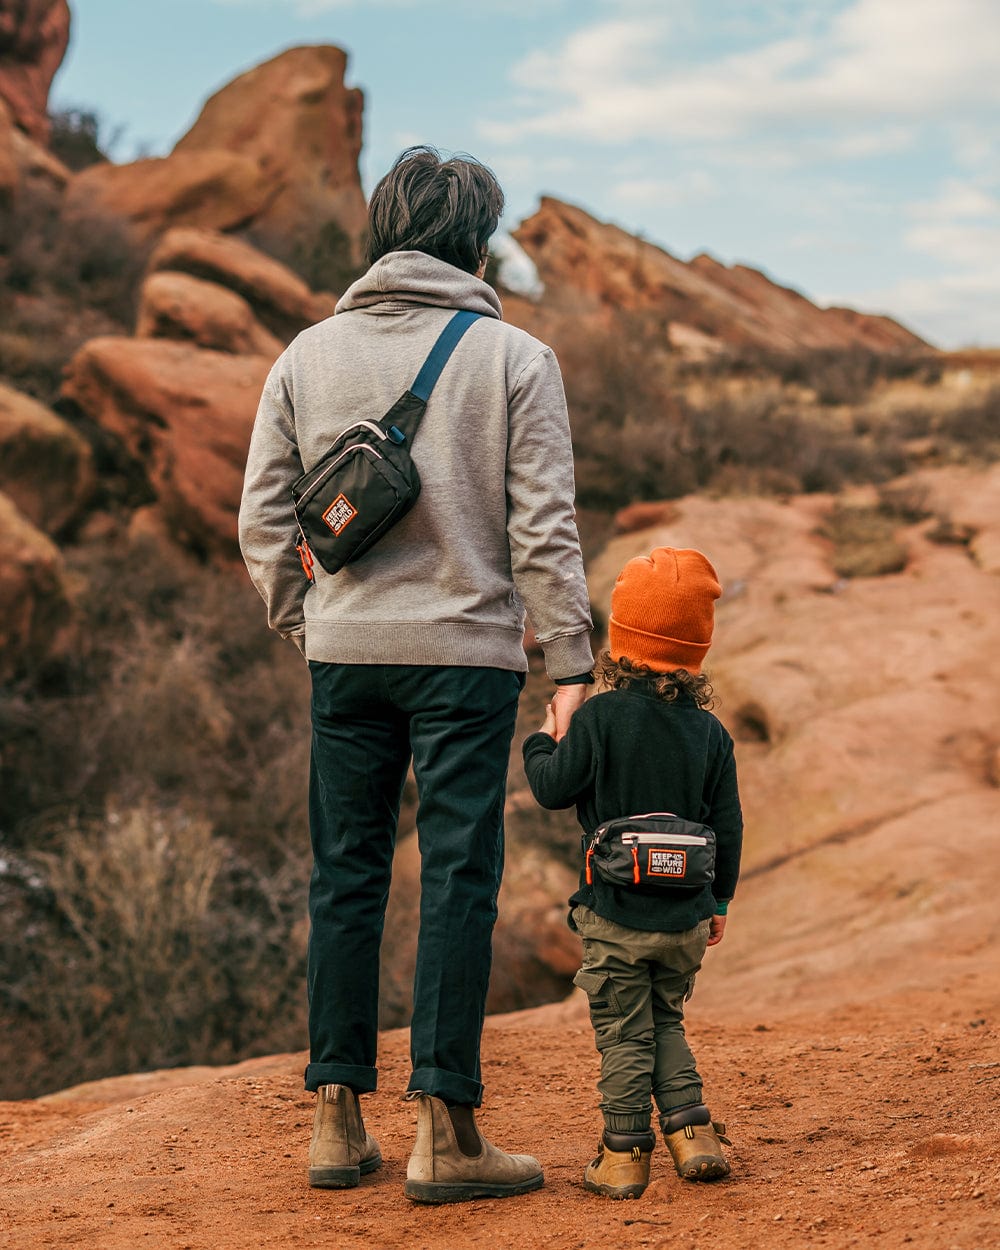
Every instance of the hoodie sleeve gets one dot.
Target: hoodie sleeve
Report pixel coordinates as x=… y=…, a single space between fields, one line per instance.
x=541 y=518
x=267 y=526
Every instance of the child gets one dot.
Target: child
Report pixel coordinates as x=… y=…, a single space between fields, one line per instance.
x=648 y=745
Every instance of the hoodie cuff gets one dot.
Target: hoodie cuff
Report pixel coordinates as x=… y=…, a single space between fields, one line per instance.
x=568 y=656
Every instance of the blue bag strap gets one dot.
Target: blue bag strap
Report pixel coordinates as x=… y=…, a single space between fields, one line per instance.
x=440 y=353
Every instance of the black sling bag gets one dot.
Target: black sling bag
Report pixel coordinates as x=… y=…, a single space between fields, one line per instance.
x=367 y=480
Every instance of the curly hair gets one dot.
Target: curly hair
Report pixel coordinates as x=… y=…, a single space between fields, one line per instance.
x=622 y=674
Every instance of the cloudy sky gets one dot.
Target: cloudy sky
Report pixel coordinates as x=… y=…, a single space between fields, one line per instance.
x=847 y=147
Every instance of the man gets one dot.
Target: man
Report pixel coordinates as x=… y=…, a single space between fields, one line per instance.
x=416 y=650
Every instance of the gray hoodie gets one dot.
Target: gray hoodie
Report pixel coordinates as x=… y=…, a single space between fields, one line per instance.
x=493 y=530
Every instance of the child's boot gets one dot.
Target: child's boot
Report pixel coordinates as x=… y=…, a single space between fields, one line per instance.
x=621 y=1169
x=695 y=1143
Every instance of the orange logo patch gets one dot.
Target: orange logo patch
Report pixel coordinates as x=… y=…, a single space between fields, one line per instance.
x=666 y=863
x=340 y=514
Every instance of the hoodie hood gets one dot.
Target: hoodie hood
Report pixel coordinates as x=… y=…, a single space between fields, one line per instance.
x=409 y=278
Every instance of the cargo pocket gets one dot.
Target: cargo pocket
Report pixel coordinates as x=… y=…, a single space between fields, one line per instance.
x=605 y=1011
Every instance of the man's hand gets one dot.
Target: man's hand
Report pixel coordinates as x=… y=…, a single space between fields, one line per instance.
x=716 y=930
x=548 y=726
x=565 y=702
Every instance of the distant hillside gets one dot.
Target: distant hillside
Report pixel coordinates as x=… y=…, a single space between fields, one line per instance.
x=701 y=304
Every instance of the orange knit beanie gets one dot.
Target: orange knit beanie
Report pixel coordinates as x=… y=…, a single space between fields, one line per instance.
x=663 y=610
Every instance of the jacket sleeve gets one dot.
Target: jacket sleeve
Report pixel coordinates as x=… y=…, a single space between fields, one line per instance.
x=541 y=518
x=558 y=773
x=267 y=526
x=726 y=818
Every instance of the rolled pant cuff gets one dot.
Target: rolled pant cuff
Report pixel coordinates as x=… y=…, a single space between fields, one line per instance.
x=451 y=1086
x=361 y=1080
x=679 y=1098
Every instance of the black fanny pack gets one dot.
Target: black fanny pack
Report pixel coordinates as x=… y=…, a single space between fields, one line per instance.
x=657 y=850
x=367 y=480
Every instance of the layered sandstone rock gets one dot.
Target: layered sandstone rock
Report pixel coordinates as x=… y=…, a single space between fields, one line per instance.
x=296 y=119
x=277 y=148
x=186 y=415
x=587 y=266
x=46 y=468
x=23 y=160
x=278 y=297
x=34 y=35
x=177 y=306
x=35 y=603
x=216 y=188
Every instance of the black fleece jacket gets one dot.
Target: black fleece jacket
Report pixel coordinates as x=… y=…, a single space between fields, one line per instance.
x=629 y=752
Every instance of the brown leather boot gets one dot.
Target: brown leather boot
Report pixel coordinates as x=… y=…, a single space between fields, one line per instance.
x=439 y=1171
x=341 y=1152
x=621 y=1169
x=695 y=1143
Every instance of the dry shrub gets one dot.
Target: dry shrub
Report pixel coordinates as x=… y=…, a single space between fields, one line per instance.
x=637 y=437
x=974 y=427
x=96 y=258
x=150 y=943
x=864 y=541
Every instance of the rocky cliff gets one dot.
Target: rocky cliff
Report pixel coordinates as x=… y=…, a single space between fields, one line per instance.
x=701 y=306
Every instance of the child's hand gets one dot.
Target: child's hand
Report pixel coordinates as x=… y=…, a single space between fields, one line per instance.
x=549 y=724
x=716 y=930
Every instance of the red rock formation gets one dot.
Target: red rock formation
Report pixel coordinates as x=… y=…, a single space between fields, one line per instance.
x=587 y=266
x=46 y=468
x=34 y=35
x=296 y=119
x=277 y=149
x=213 y=188
x=35 y=609
x=186 y=415
x=279 y=298
x=177 y=306
x=23 y=160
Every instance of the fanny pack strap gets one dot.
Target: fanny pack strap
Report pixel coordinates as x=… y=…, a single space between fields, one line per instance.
x=406 y=413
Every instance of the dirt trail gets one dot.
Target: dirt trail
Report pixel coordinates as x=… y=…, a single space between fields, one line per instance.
x=851 y=1127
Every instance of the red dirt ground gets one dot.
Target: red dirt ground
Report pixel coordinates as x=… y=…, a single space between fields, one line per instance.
x=852 y=1126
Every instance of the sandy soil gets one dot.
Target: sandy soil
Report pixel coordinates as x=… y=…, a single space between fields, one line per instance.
x=851 y=1126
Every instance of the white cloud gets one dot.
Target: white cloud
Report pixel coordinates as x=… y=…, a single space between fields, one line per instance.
x=665 y=192
x=958 y=230
x=623 y=79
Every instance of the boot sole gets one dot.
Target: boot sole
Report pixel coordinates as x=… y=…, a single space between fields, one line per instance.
x=343 y=1177
x=464 y=1191
x=615 y=1191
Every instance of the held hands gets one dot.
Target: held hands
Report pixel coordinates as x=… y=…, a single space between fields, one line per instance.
x=716 y=930
x=559 y=713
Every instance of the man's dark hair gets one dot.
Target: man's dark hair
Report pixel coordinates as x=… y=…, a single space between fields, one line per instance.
x=448 y=209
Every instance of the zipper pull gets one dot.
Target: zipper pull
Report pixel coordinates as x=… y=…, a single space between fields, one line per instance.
x=635 y=864
x=306 y=557
x=588 y=866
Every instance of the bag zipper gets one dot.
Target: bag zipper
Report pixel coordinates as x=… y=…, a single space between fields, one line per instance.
x=314 y=486
x=679 y=839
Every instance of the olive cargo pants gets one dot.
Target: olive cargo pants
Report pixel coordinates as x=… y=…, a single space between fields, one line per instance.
x=637 y=983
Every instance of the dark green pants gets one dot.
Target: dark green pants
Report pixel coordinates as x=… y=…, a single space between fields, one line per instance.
x=637 y=983
x=367 y=721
